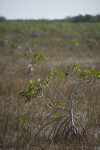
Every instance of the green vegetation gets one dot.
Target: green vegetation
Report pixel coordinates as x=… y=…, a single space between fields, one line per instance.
x=53 y=32
x=2 y=18
x=36 y=58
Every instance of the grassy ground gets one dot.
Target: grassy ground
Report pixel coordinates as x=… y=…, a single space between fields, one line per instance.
x=14 y=134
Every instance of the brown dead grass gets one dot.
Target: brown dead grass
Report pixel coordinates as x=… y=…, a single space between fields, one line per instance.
x=14 y=135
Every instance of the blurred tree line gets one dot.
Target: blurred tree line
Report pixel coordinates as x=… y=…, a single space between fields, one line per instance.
x=81 y=18
x=2 y=18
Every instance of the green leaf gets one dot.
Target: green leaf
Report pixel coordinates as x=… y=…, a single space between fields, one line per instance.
x=56 y=72
x=86 y=77
x=78 y=69
x=51 y=70
x=39 y=87
x=61 y=74
x=32 y=92
x=32 y=82
x=82 y=73
x=20 y=120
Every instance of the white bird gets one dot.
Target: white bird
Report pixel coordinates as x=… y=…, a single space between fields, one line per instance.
x=29 y=69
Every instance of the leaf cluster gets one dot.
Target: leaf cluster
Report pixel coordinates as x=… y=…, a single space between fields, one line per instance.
x=24 y=123
x=36 y=58
x=36 y=87
x=85 y=72
x=75 y=42
x=32 y=92
x=91 y=41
